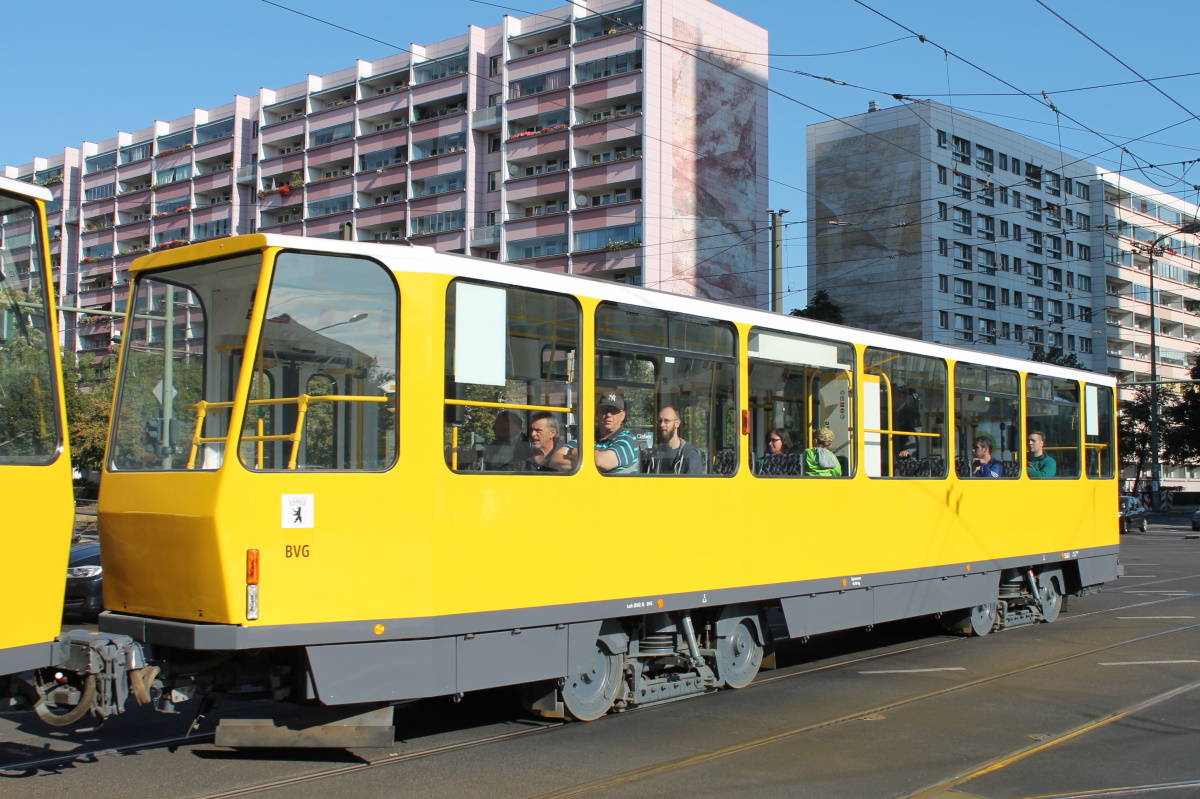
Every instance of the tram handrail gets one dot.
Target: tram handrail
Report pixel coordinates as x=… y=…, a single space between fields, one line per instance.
x=508 y=406
x=302 y=402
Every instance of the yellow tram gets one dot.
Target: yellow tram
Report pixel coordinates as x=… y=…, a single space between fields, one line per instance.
x=320 y=477
x=35 y=467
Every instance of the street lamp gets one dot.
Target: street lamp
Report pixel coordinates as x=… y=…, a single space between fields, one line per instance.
x=1155 y=462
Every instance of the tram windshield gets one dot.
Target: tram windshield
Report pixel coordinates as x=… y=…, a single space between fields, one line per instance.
x=29 y=431
x=183 y=345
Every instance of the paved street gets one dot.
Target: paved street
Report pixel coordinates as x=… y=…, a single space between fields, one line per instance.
x=1105 y=698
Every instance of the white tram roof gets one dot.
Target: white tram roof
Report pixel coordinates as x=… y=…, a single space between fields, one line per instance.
x=411 y=258
x=25 y=189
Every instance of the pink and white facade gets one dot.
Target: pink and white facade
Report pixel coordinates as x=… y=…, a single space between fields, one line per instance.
x=622 y=141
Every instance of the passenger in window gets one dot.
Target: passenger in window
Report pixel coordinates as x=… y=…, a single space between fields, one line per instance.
x=907 y=418
x=818 y=460
x=616 y=448
x=984 y=465
x=1039 y=465
x=673 y=455
x=544 y=441
x=779 y=443
x=510 y=447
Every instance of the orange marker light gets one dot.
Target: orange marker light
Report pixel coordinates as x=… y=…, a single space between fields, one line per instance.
x=968 y=567
x=660 y=603
x=251 y=567
x=845 y=582
x=745 y=422
x=380 y=629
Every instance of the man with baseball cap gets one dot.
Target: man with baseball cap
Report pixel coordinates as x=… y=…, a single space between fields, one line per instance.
x=616 y=448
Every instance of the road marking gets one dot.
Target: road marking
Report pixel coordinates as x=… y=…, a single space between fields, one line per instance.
x=914 y=671
x=1164 y=593
x=1147 y=662
x=1155 y=617
x=1140 y=576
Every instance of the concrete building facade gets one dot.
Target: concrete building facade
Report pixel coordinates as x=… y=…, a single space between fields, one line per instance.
x=616 y=140
x=930 y=223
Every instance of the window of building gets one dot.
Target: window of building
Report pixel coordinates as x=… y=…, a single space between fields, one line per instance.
x=428 y=71
x=1054 y=275
x=962 y=221
x=214 y=130
x=986 y=260
x=1055 y=308
x=537 y=247
x=381 y=158
x=944 y=320
x=987 y=296
x=331 y=134
x=1054 y=247
x=513 y=351
x=1014 y=166
x=985 y=193
x=1052 y=183
x=439 y=184
x=1035 y=307
x=943 y=174
x=605 y=67
x=987 y=406
x=962 y=292
x=798 y=386
x=331 y=205
x=1033 y=176
x=494 y=181
x=495 y=142
x=537 y=84
x=1002 y=161
x=942 y=139
x=614 y=237
x=137 y=152
x=962 y=185
x=1052 y=410
x=984 y=158
x=1004 y=297
x=175 y=141
x=100 y=192
x=1034 y=244
x=943 y=283
x=437 y=223
x=964 y=328
x=962 y=255
x=962 y=150
x=943 y=211
x=987 y=227
x=943 y=247
x=904 y=414
x=440 y=145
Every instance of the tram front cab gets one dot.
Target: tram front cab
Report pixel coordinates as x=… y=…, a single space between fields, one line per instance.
x=257 y=393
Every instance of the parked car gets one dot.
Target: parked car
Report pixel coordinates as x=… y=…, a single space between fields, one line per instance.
x=1196 y=520
x=85 y=582
x=1132 y=514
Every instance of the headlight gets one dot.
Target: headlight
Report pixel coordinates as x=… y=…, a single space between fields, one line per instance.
x=84 y=571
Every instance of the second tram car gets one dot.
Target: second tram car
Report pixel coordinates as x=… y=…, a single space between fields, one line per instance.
x=35 y=468
x=353 y=473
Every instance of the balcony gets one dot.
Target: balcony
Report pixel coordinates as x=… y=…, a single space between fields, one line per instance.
x=486 y=118
x=485 y=236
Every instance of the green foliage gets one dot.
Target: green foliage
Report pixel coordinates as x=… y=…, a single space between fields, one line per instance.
x=88 y=392
x=821 y=308
x=1184 y=417
x=1055 y=355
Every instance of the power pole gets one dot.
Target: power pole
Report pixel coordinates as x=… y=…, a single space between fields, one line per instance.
x=777 y=258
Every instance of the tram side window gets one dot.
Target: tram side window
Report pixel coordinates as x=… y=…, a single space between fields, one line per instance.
x=987 y=405
x=512 y=382
x=904 y=414
x=1099 y=445
x=28 y=420
x=676 y=380
x=801 y=391
x=1052 y=412
x=325 y=369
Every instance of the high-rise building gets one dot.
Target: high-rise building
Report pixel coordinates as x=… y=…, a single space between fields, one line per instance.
x=927 y=222
x=616 y=140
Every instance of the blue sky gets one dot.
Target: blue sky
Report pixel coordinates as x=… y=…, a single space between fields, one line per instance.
x=93 y=70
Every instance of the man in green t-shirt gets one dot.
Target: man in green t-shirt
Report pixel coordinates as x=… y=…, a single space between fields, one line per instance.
x=1040 y=464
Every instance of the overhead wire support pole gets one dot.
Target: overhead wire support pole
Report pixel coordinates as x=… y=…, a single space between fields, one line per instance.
x=777 y=258
x=1155 y=441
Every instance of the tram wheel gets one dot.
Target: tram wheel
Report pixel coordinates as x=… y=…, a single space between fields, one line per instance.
x=589 y=695
x=740 y=655
x=978 y=620
x=1052 y=598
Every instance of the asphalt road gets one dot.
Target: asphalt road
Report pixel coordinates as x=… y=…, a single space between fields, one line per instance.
x=1104 y=702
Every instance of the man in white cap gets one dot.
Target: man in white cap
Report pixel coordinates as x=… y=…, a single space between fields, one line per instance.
x=616 y=448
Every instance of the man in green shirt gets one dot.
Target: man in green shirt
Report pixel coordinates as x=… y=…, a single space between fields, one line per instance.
x=1040 y=464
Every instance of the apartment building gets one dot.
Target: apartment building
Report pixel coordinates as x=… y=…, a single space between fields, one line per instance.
x=930 y=223
x=620 y=141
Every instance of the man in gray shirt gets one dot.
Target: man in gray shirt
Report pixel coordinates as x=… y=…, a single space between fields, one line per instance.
x=673 y=455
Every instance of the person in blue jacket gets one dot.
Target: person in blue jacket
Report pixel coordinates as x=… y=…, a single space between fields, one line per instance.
x=985 y=465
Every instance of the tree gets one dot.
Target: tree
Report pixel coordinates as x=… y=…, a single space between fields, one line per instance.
x=1056 y=356
x=821 y=308
x=1185 y=419
x=88 y=392
x=1133 y=428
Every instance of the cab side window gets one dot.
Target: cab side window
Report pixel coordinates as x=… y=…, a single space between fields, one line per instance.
x=801 y=406
x=512 y=383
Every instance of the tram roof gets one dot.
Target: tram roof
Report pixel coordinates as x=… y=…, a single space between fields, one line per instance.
x=25 y=189
x=412 y=258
